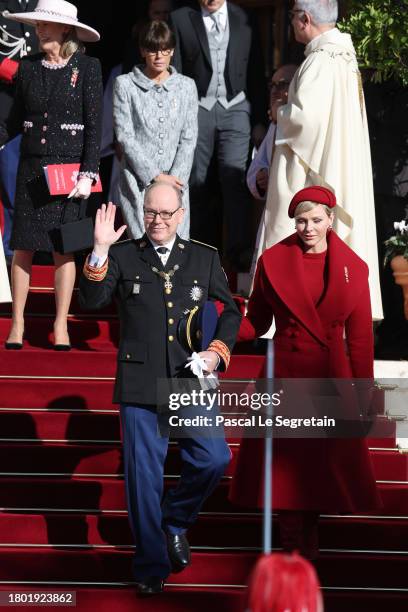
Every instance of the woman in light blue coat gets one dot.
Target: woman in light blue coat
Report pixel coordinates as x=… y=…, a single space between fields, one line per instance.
x=155 y=121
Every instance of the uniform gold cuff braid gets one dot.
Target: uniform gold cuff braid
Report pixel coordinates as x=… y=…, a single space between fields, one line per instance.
x=222 y=351
x=93 y=273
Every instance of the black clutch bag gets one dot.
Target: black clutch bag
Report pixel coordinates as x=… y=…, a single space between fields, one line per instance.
x=76 y=235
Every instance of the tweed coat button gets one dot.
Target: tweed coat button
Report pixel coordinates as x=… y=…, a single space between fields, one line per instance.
x=170 y=304
x=171 y=321
x=171 y=338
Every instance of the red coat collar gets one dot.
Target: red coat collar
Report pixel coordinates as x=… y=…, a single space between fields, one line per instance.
x=346 y=276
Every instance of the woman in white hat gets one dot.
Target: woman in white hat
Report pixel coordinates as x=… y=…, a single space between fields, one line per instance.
x=57 y=107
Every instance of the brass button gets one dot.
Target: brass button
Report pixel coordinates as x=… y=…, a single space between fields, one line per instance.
x=170 y=304
x=171 y=321
x=171 y=338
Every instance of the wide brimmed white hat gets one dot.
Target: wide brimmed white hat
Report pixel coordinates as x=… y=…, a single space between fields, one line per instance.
x=57 y=11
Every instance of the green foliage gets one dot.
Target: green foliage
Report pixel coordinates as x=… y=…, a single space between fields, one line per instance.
x=397 y=244
x=379 y=29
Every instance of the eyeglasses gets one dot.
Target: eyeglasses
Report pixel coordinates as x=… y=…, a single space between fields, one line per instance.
x=164 y=52
x=292 y=13
x=166 y=215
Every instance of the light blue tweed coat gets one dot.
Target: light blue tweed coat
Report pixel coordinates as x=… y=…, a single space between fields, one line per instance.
x=156 y=126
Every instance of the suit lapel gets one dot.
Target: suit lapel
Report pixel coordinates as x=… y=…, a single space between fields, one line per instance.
x=233 y=43
x=148 y=254
x=178 y=254
x=198 y=24
x=294 y=294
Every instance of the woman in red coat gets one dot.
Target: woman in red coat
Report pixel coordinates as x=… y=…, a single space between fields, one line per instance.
x=316 y=288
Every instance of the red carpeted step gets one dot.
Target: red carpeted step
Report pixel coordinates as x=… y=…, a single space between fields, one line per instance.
x=98 y=493
x=41 y=362
x=365 y=601
x=109 y=564
x=244 y=530
x=98 y=529
x=64 y=458
x=84 y=493
x=42 y=302
x=85 y=333
x=76 y=458
x=97 y=361
x=213 y=567
x=125 y=599
x=390 y=465
x=61 y=393
x=19 y=423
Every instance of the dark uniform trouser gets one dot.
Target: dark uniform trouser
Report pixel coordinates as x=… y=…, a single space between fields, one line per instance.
x=204 y=461
x=228 y=133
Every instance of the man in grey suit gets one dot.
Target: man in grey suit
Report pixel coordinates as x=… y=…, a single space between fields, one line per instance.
x=217 y=47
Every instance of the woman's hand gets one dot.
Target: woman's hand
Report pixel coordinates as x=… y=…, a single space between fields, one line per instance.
x=170 y=180
x=82 y=189
x=105 y=234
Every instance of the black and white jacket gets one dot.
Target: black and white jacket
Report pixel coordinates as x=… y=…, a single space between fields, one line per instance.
x=68 y=124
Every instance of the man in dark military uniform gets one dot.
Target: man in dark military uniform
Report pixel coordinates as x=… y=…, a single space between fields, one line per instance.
x=16 y=40
x=155 y=280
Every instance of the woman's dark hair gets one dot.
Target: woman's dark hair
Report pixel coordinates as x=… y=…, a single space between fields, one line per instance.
x=156 y=36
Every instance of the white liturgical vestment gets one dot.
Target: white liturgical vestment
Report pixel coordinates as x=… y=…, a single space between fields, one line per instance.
x=322 y=139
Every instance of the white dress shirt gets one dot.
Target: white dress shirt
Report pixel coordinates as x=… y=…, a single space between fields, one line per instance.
x=221 y=15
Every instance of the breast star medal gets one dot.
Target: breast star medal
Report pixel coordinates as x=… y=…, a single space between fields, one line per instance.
x=196 y=293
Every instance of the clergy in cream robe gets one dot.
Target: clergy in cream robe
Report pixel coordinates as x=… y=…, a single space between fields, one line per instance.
x=322 y=139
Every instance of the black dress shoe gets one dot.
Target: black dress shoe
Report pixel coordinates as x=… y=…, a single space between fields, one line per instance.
x=150 y=586
x=179 y=552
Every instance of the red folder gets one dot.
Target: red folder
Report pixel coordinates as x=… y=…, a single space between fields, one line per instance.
x=62 y=178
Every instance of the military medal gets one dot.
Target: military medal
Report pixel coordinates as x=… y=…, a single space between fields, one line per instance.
x=166 y=276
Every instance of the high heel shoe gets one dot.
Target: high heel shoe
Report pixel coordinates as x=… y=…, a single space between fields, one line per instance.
x=13 y=346
x=62 y=347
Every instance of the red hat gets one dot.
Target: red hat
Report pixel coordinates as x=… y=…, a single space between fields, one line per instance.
x=315 y=193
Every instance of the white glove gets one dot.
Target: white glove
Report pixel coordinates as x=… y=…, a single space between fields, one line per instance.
x=82 y=189
x=198 y=366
